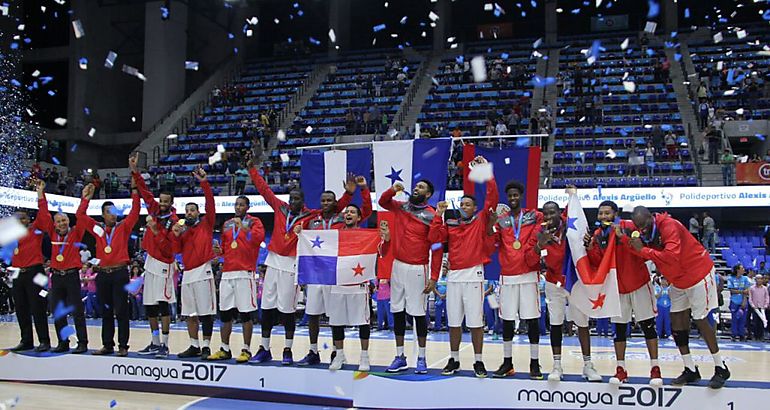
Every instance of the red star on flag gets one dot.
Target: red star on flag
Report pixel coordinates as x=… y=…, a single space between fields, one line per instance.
x=599 y=302
x=359 y=270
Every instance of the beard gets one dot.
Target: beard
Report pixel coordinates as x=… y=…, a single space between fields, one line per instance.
x=416 y=199
x=190 y=221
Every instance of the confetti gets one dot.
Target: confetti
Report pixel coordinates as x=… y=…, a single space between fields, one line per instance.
x=429 y=153
x=74 y=147
x=281 y=135
x=481 y=173
x=133 y=71
x=215 y=158
x=77 y=27
x=98 y=230
x=537 y=43
x=436 y=246
x=611 y=154
x=43 y=293
x=55 y=160
x=191 y=65
x=11 y=230
x=741 y=34
x=284 y=157
x=653 y=9
x=403 y=20
x=718 y=38
x=687 y=13
x=83 y=63
x=66 y=331
x=171 y=136
x=479 y=69
x=378 y=28
x=309 y=129
x=433 y=16
x=92 y=132
x=650 y=27
x=134 y=285
x=62 y=311
x=521 y=142
x=60 y=121
x=332 y=36
x=113 y=403
x=624 y=44
x=629 y=86
x=109 y=62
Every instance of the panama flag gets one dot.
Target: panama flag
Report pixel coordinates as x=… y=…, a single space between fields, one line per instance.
x=407 y=162
x=327 y=171
x=593 y=290
x=337 y=257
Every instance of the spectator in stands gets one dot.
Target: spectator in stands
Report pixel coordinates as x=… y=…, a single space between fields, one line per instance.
x=135 y=298
x=88 y=278
x=714 y=140
x=168 y=183
x=728 y=168
x=240 y=94
x=695 y=227
x=767 y=156
x=546 y=174
x=501 y=129
x=97 y=181
x=709 y=233
x=216 y=97
x=703 y=113
x=439 y=320
x=489 y=129
x=702 y=94
x=241 y=176
x=762 y=270
x=649 y=159
x=513 y=122
x=635 y=159
x=759 y=301
x=663 y=320
x=738 y=284
x=767 y=240
x=670 y=141
x=755 y=158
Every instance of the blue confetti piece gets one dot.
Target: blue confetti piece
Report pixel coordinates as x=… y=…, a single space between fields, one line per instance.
x=114 y=210
x=289 y=40
x=623 y=132
x=26 y=174
x=45 y=80
x=314 y=41
x=235 y=50
x=677 y=57
x=14 y=46
x=650 y=52
x=62 y=311
x=533 y=3
x=378 y=27
x=114 y=403
x=674 y=34
x=326 y=346
x=723 y=20
x=687 y=13
x=575 y=11
x=156 y=332
x=405 y=69
x=436 y=246
x=86 y=111
x=460 y=59
x=523 y=13
x=300 y=13
x=80 y=245
x=15 y=82
x=51 y=93
x=295 y=5
x=74 y=147
x=539 y=82
x=523 y=142
x=766 y=16
x=27 y=40
x=66 y=332
x=665 y=127
x=497 y=13
x=164 y=12
x=504 y=56
x=133 y=236
x=760 y=137
x=55 y=160
x=609 y=5
x=653 y=9
x=134 y=285
x=230 y=36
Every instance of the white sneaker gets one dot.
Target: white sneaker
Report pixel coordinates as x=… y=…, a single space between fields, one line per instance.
x=556 y=374
x=590 y=374
x=338 y=361
x=363 y=364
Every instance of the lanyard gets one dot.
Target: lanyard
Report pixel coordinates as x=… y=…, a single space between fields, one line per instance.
x=291 y=222
x=517 y=229
x=108 y=236
x=648 y=239
x=236 y=233
x=325 y=225
x=63 y=242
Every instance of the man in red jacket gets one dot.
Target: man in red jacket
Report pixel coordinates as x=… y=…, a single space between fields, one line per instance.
x=330 y=216
x=637 y=296
x=410 y=283
x=279 y=292
x=468 y=252
x=65 y=279
x=193 y=238
x=519 y=296
x=241 y=237
x=159 y=265
x=690 y=270
x=112 y=250
x=28 y=259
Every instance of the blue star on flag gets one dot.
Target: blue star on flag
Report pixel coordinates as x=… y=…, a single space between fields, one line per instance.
x=394 y=175
x=317 y=242
x=571 y=223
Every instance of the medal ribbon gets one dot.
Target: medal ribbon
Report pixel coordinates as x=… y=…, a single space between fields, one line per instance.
x=108 y=236
x=63 y=242
x=290 y=222
x=517 y=229
x=648 y=239
x=236 y=233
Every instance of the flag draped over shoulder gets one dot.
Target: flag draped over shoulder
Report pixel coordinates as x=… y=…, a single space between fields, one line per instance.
x=337 y=257
x=593 y=289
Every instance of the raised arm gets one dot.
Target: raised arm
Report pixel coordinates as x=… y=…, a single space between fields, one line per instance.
x=438 y=232
x=133 y=215
x=264 y=189
x=43 y=222
x=386 y=199
x=152 y=205
x=211 y=212
x=81 y=215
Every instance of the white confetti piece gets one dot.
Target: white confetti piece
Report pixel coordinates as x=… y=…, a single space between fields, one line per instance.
x=77 y=27
x=133 y=71
x=507 y=161
x=276 y=21
x=611 y=154
x=433 y=16
x=109 y=62
x=253 y=21
x=718 y=37
x=332 y=36
x=544 y=252
x=284 y=157
x=489 y=7
x=629 y=207
x=83 y=64
x=11 y=230
x=171 y=136
x=481 y=173
x=629 y=86
x=30 y=112
x=729 y=92
x=249 y=33
x=650 y=27
x=13 y=272
x=624 y=44
x=741 y=34
x=3 y=9
x=309 y=129
x=479 y=69
x=739 y=111
x=215 y=158
x=191 y=65
x=92 y=132
x=43 y=293
x=95 y=261
x=36 y=73
x=40 y=280
x=537 y=43
x=60 y=121
x=281 y=135
x=220 y=148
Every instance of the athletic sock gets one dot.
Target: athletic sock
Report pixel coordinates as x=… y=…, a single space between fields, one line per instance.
x=225 y=347
x=155 y=338
x=557 y=360
x=164 y=339
x=399 y=350
x=206 y=342
x=421 y=352
x=717 y=359
x=622 y=363
x=587 y=358
x=455 y=355
x=654 y=362
x=334 y=348
x=688 y=363
x=246 y=347
x=194 y=343
x=289 y=343
x=534 y=351
x=477 y=357
x=266 y=343
x=508 y=349
x=365 y=353
x=314 y=347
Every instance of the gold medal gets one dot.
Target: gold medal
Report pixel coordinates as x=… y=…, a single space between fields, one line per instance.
x=181 y=222
x=59 y=258
x=286 y=236
x=16 y=251
x=108 y=249
x=516 y=245
x=234 y=245
x=635 y=234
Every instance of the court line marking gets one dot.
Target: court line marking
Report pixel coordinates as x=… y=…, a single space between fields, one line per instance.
x=445 y=358
x=192 y=403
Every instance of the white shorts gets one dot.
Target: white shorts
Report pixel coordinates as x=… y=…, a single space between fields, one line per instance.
x=317 y=302
x=158 y=289
x=240 y=293
x=348 y=309
x=199 y=298
x=280 y=290
x=519 y=297
x=700 y=298
x=406 y=285
x=465 y=299
x=556 y=298
x=641 y=302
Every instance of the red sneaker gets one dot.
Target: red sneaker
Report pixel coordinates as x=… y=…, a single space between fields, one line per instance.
x=620 y=376
x=655 y=378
